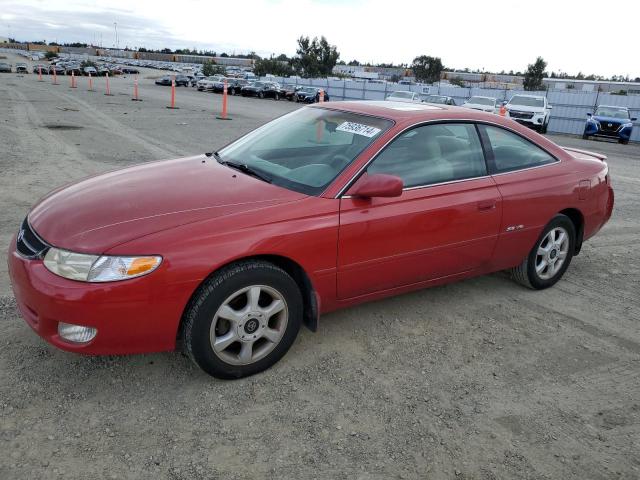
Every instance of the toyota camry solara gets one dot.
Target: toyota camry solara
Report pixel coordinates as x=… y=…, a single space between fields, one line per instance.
x=226 y=255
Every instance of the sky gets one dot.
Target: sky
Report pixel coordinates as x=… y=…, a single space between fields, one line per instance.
x=572 y=36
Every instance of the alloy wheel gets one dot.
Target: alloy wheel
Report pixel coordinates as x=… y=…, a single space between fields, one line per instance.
x=552 y=252
x=249 y=325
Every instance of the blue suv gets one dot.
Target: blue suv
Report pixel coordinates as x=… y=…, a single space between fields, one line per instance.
x=610 y=122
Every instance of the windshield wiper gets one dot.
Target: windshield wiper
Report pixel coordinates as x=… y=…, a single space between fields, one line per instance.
x=243 y=167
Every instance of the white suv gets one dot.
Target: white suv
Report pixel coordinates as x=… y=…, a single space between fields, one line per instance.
x=530 y=110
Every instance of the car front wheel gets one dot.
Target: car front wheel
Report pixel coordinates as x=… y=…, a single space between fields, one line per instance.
x=550 y=257
x=243 y=319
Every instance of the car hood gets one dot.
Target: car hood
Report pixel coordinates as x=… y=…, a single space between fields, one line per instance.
x=611 y=119
x=524 y=108
x=101 y=212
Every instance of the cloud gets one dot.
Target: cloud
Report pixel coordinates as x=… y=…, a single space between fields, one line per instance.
x=470 y=34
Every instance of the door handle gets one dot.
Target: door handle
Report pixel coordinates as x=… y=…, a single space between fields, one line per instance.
x=486 y=205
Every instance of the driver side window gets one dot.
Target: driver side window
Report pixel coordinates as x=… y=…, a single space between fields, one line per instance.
x=433 y=154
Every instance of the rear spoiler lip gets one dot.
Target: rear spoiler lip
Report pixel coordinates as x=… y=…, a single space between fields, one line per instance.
x=599 y=156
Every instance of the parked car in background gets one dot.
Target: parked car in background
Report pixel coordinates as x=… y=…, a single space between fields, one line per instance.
x=58 y=69
x=310 y=95
x=321 y=209
x=44 y=69
x=289 y=91
x=206 y=84
x=485 y=104
x=130 y=70
x=196 y=78
x=530 y=110
x=90 y=71
x=609 y=122
x=103 y=70
x=235 y=85
x=438 y=99
x=166 y=80
x=404 y=96
x=5 y=67
x=262 y=90
x=22 y=68
x=73 y=69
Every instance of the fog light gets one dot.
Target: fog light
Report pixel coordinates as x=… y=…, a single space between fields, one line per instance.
x=76 y=333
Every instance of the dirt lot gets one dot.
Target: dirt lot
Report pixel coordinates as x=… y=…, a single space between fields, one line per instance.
x=481 y=379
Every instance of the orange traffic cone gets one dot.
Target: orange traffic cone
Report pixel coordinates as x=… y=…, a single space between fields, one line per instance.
x=503 y=110
x=135 y=91
x=173 y=94
x=108 y=92
x=223 y=116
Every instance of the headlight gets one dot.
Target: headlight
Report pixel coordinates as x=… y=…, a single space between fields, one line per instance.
x=627 y=125
x=98 y=268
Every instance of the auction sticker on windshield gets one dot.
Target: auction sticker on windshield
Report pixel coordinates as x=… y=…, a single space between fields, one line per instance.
x=358 y=129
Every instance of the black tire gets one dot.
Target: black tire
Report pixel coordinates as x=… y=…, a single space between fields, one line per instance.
x=623 y=142
x=260 y=94
x=212 y=294
x=585 y=136
x=543 y=129
x=526 y=274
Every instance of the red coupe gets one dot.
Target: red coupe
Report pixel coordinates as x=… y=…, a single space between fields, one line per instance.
x=227 y=254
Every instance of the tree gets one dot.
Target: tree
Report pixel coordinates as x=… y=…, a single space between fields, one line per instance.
x=534 y=75
x=315 y=58
x=274 y=66
x=457 y=81
x=210 y=68
x=50 y=55
x=354 y=63
x=427 y=69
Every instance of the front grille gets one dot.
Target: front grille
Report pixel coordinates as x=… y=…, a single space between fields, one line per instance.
x=609 y=127
x=523 y=115
x=29 y=244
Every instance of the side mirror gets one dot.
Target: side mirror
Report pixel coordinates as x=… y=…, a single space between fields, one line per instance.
x=589 y=115
x=504 y=102
x=549 y=107
x=377 y=185
x=633 y=119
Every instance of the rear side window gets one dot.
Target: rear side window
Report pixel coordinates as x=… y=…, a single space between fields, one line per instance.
x=512 y=152
x=433 y=154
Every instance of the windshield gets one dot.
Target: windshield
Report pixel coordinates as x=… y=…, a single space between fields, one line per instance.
x=612 y=112
x=401 y=95
x=537 y=102
x=306 y=150
x=482 y=101
x=308 y=90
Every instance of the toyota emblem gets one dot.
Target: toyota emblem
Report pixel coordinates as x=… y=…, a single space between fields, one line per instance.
x=20 y=234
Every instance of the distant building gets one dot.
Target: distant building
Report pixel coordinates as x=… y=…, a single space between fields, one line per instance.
x=631 y=88
x=372 y=73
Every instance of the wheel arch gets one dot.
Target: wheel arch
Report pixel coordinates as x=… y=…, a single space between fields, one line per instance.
x=310 y=298
x=577 y=219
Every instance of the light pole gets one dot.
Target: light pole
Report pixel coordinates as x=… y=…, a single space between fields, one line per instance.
x=115 y=28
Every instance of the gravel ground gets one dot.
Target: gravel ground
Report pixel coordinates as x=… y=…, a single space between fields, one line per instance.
x=476 y=380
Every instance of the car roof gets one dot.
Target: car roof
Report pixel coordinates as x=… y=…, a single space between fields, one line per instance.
x=613 y=106
x=482 y=96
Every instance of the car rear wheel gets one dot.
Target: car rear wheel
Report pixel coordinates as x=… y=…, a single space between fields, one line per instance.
x=261 y=95
x=585 y=136
x=243 y=319
x=550 y=257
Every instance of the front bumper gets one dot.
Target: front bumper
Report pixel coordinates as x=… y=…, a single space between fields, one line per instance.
x=595 y=129
x=133 y=316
